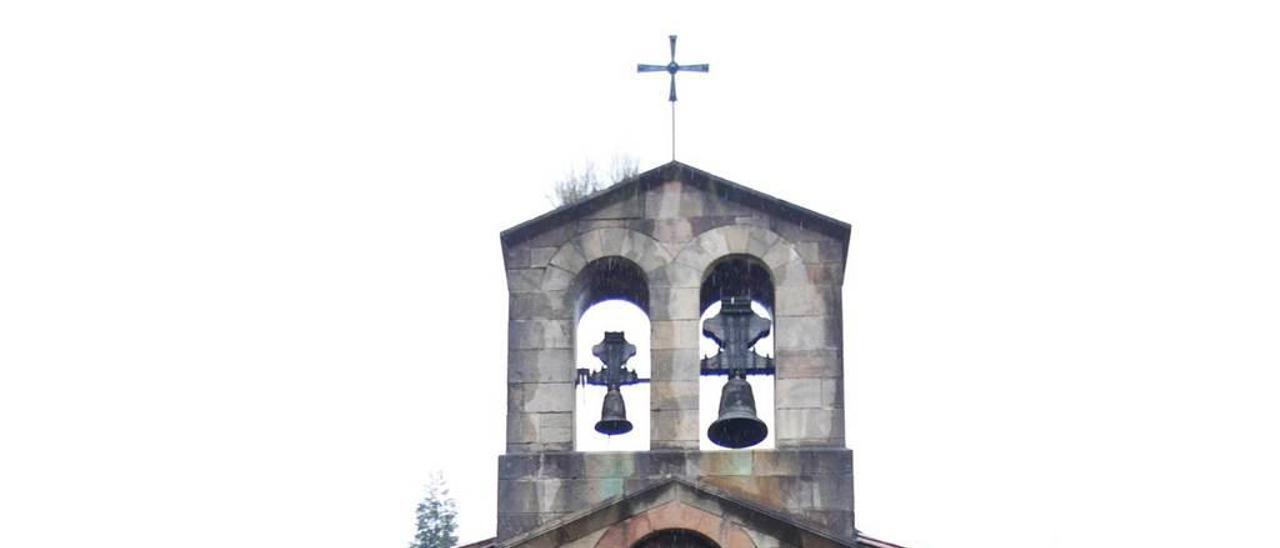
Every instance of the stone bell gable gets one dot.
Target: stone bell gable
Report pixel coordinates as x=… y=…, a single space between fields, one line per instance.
x=673 y=241
x=674 y=222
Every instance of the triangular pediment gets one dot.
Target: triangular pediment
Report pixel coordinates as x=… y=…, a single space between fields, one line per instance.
x=715 y=188
x=676 y=504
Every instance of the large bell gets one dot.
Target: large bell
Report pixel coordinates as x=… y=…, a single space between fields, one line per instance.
x=738 y=425
x=613 y=414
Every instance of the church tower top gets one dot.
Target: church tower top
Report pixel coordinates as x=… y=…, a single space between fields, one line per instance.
x=677 y=242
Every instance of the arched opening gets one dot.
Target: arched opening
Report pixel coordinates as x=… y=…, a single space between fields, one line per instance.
x=676 y=538
x=611 y=294
x=736 y=276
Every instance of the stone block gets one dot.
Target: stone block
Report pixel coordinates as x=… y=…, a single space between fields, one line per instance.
x=831 y=274
x=568 y=257
x=592 y=246
x=759 y=241
x=610 y=465
x=692 y=202
x=540 y=365
x=707 y=223
x=736 y=237
x=555 y=428
x=672 y=230
x=798 y=393
x=518 y=466
x=674 y=395
x=674 y=429
x=621 y=207
x=809 y=427
x=648 y=254
x=524 y=280
x=614 y=241
x=517 y=497
x=777 y=463
x=537 y=306
x=540 y=256
x=568 y=465
x=674 y=364
x=522 y=428
x=804 y=300
x=809 y=362
x=551 y=237
x=724 y=463
x=806 y=332
x=548 y=397
x=714 y=243
x=677 y=274
x=539 y=334
x=675 y=334
x=516 y=257
x=674 y=303
x=792 y=274
x=781 y=253
x=556 y=279
x=827 y=463
x=662 y=201
x=660 y=464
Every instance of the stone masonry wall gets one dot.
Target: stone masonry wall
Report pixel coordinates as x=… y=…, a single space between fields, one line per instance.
x=813 y=485
x=674 y=232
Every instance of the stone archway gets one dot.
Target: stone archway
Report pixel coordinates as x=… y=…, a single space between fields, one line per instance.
x=676 y=538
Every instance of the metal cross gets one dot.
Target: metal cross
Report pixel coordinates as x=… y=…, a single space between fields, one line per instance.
x=672 y=68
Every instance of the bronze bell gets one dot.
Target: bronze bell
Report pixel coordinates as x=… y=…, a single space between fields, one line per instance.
x=613 y=414
x=738 y=425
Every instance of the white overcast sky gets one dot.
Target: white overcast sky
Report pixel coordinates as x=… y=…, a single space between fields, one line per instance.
x=251 y=292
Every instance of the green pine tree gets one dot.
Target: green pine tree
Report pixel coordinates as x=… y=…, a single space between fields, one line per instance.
x=437 y=517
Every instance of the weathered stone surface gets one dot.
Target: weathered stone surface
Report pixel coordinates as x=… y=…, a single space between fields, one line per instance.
x=663 y=201
x=556 y=279
x=798 y=393
x=622 y=207
x=540 y=305
x=807 y=332
x=674 y=395
x=674 y=364
x=813 y=484
x=539 y=334
x=568 y=257
x=674 y=231
x=674 y=303
x=671 y=230
x=676 y=274
x=544 y=397
x=520 y=280
x=675 y=334
x=795 y=362
x=781 y=253
x=805 y=300
x=812 y=426
x=540 y=365
x=673 y=429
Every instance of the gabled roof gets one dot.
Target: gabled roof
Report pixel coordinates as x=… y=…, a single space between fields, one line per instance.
x=863 y=542
x=612 y=510
x=621 y=507
x=686 y=174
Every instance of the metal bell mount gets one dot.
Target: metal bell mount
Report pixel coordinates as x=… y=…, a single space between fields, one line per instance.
x=736 y=329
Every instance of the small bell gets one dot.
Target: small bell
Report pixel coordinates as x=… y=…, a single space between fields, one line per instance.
x=613 y=414
x=738 y=425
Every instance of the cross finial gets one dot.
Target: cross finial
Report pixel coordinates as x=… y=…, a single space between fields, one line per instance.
x=672 y=68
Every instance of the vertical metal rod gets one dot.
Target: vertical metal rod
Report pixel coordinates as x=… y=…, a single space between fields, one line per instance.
x=673 y=131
